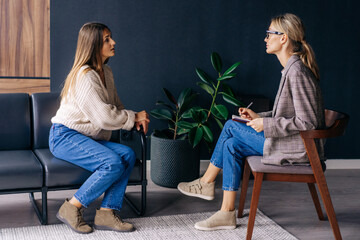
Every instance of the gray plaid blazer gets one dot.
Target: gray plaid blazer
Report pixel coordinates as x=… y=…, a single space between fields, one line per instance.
x=298 y=106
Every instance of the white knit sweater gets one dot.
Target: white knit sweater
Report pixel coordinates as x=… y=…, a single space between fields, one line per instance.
x=92 y=109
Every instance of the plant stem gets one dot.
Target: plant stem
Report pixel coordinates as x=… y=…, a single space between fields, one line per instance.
x=214 y=97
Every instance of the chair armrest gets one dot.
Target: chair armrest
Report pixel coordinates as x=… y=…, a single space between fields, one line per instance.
x=143 y=149
x=322 y=133
x=337 y=129
x=143 y=142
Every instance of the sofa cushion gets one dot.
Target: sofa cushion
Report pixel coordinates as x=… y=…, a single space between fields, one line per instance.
x=44 y=107
x=20 y=170
x=60 y=173
x=15 y=121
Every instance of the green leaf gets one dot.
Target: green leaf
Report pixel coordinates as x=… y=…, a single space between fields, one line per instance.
x=165 y=104
x=186 y=125
x=203 y=76
x=170 y=96
x=208 y=135
x=227 y=89
x=231 y=100
x=161 y=114
x=232 y=68
x=206 y=87
x=182 y=131
x=219 y=123
x=192 y=135
x=196 y=116
x=188 y=113
x=198 y=136
x=183 y=137
x=198 y=108
x=193 y=112
x=216 y=62
x=187 y=103
x=225 y=77
x=183 y=96
x=220 y=111
x=202 y=116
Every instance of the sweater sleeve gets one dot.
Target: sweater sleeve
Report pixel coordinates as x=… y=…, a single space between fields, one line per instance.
x=303 y=92
x=90 y=96
x=265 y=114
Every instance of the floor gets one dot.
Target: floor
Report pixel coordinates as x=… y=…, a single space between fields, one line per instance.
x=288 y=204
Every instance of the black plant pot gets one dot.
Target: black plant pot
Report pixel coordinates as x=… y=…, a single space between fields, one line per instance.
x=173 y=161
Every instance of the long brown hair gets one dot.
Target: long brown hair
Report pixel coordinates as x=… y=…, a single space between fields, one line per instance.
x=88 y=52
x=293 y=26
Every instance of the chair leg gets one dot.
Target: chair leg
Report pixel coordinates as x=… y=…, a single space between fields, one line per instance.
x=322 y=185
x=42 y=215
x=316 y=201
x=325 y=195
x=143 y=198
x=244 y=187
x=139 y=211
x=258 y=178
x=44 y=206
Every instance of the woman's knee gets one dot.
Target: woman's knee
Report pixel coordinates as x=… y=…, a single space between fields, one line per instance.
x=113 y=163
x=117 y=161
x=229 y=145
x=229 y=124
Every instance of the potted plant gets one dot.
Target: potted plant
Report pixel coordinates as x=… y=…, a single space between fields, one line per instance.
x=174 y=152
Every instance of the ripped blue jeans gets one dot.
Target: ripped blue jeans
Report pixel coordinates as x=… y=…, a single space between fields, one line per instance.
x=236 y=142
x=111 y=164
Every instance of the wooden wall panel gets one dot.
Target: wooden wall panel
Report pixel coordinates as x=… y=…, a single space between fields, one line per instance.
x=24 y=41
x=24 y=85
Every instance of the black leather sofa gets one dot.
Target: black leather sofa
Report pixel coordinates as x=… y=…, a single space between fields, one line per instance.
x=26 y=163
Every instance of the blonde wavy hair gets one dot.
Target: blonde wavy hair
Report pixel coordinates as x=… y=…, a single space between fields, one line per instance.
x=293 y=27
x=88 y=52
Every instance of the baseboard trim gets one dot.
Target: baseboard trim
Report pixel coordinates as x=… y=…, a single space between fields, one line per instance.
x=343 y=164
x=330 y=163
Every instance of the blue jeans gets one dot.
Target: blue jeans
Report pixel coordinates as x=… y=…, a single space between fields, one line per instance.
x=111 y=164
x=236 y=142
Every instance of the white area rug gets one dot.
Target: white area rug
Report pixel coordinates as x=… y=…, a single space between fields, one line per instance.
x=164 y=227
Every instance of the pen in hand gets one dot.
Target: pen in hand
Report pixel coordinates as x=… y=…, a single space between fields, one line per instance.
x=248 y=106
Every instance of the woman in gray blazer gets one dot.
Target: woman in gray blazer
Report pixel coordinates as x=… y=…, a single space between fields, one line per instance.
x=298 y=106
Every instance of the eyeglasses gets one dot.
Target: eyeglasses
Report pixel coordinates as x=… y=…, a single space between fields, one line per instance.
x=268 y=32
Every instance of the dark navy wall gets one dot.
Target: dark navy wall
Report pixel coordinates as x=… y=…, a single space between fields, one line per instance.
x=160 y=42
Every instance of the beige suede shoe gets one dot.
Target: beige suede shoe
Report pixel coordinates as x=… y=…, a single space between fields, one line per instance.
x=108 y=220
x=198 y=189
x=72 y=216
x=220 y=220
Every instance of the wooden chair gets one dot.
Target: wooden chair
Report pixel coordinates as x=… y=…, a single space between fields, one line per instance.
x=336 y=123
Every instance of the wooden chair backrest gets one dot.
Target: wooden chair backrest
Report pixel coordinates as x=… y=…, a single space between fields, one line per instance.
x=336 y=123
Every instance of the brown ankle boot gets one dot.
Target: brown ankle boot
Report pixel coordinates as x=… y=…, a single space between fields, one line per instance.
x=72 y=216
x=108 y=220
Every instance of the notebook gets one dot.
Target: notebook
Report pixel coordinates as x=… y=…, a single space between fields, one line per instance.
x=239 y=119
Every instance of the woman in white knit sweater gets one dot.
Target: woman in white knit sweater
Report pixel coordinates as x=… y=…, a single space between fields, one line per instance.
x=90 y=109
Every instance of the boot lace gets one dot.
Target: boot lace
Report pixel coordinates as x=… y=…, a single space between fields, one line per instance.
x=117 y=218
x=80 y=219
